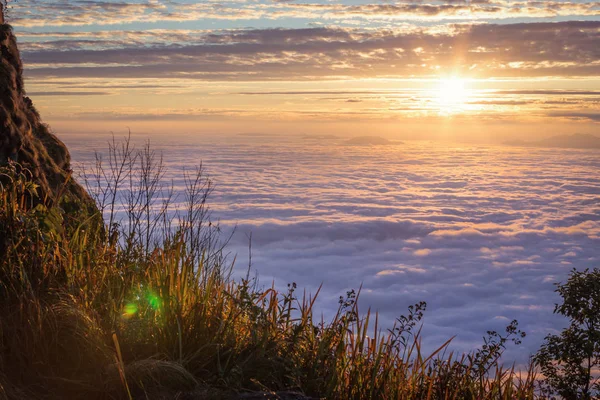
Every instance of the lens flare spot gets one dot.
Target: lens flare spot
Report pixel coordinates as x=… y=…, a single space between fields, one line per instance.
x=154 y=301
x=130 y=310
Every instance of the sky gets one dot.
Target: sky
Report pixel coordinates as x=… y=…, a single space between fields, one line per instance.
x=479 y=70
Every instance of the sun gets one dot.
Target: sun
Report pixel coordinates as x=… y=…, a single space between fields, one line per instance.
x=452 y=94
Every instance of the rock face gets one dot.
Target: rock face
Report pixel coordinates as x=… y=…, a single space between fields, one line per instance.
x=26 y=140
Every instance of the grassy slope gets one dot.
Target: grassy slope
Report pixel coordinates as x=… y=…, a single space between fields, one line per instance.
x=149 y=310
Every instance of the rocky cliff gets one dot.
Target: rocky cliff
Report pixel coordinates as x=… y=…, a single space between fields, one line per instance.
x=25 y=140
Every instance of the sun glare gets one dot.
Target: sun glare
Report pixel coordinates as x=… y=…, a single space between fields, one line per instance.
x=452 y=94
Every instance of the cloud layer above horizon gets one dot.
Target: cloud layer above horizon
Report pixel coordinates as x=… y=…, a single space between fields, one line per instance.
x=142 y=61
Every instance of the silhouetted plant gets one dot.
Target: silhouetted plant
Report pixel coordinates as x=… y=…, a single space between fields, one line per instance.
x=570 y=360
x=403 y=329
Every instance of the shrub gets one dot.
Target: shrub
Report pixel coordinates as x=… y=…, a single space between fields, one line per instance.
x=570 y=360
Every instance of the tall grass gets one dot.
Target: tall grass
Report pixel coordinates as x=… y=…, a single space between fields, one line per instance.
x=145 y=306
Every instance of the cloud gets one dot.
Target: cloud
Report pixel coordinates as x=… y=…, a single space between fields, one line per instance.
x=207 y=102
x=555 y=92
x=376 y=230
x=565 y=49
x=67 y=93
x=30 y=13
x=586 y=116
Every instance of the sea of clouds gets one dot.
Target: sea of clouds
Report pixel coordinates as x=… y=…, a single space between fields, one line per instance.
x=481 y=233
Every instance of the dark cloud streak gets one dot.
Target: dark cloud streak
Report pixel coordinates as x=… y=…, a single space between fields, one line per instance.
x=537 y=49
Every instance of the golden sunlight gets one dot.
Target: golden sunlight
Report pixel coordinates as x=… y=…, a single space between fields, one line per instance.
x=452 y=94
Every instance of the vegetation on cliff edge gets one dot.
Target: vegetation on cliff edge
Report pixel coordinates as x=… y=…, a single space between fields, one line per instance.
x=146 y=308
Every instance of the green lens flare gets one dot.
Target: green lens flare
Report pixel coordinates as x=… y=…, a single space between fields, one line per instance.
x=154 y=301
x=130 y=309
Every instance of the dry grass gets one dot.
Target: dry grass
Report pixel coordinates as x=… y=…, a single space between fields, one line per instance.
x=145 y=308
